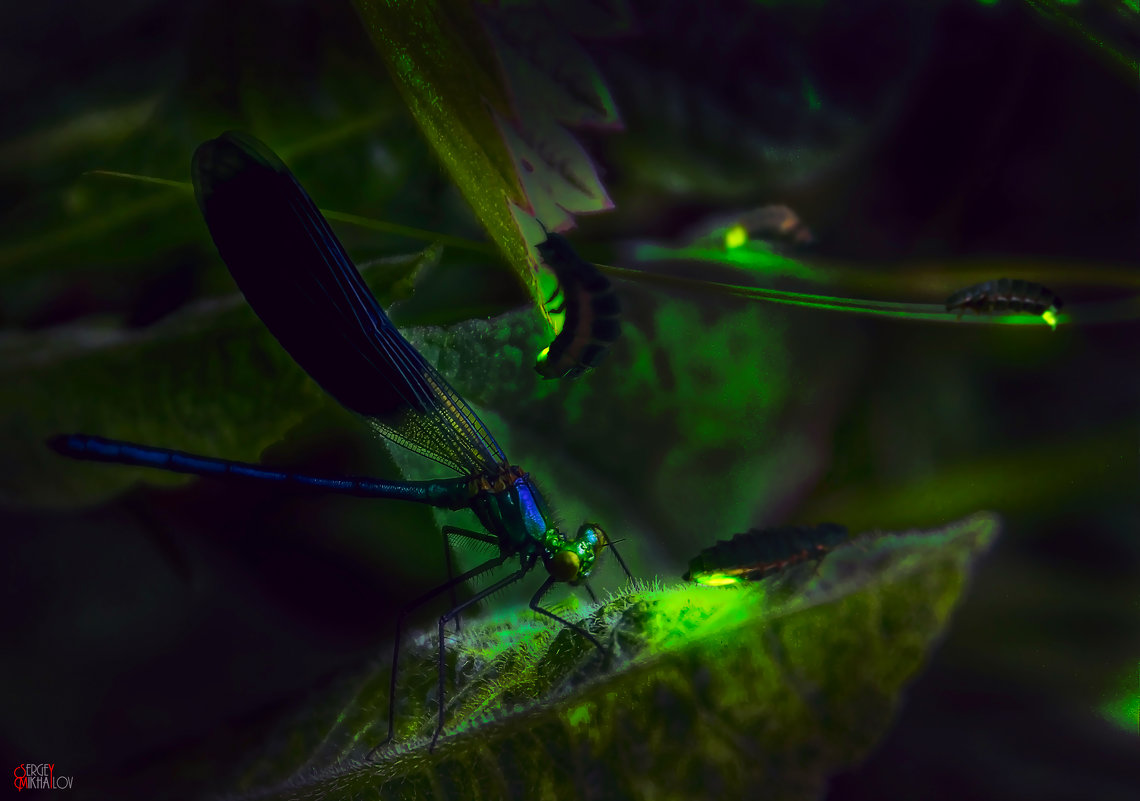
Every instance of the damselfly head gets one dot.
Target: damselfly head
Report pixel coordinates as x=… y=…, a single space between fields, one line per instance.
x=572 y=560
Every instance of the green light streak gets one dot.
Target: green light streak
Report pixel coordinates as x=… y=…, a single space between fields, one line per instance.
x=750 y=255
x=929 y=312
x=755 y=256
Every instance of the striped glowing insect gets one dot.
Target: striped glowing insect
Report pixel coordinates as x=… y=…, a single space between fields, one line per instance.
x=297 y=277
x=759 y=553
x=1006 y=294
x=773 y=223
x=585 y=310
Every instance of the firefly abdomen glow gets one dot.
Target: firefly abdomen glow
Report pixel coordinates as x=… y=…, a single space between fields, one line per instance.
x=1004 y=294
x=759 y=553
x=589 y=308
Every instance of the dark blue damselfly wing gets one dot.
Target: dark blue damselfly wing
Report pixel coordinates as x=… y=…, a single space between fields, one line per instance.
x=297 y=277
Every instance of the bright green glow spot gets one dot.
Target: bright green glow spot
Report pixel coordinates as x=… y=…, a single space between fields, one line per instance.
x=1123 y=712
x=737 y=235
x=1123 y=709
x=1133 y=4
x=542 y=354
x=1049 y=317
x=717 y=580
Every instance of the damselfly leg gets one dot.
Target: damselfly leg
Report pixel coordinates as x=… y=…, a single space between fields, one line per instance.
x=455 y=531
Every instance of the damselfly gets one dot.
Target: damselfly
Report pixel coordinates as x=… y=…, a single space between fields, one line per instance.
x=758 y=553
x=301 y=283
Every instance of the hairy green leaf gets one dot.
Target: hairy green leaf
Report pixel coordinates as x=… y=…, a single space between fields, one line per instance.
x=710 y=693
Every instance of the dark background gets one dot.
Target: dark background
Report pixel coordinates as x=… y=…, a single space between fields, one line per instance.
x=151 y=630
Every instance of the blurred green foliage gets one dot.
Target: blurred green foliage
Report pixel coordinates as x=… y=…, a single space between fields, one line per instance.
x=162 y=630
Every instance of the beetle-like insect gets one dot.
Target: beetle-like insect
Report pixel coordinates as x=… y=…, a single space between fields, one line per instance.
x=589 y=309
x=1004 y=294
x=758 y=553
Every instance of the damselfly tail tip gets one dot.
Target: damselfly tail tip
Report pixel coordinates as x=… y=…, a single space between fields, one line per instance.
x=61 y=443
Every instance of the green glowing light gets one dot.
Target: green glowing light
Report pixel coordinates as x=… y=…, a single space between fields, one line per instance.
x=750 y=255
x=1123 y=712
x=1050 y=317
x=736 y=236
x=717 y=580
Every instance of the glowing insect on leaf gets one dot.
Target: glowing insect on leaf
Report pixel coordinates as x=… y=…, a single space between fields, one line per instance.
x=759 y=553
x=1006 y=294
x=587 y=307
